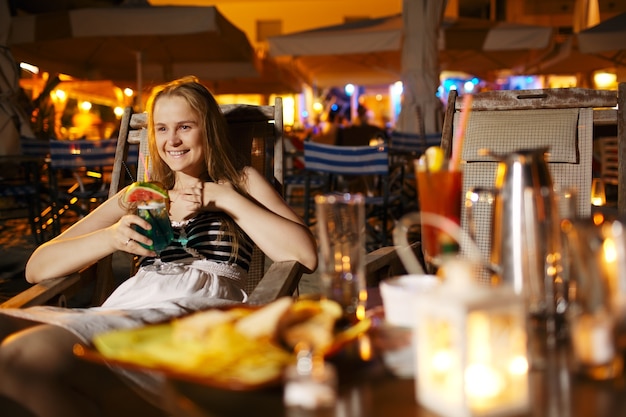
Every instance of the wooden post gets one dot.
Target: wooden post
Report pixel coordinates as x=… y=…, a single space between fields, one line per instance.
x=621 y=148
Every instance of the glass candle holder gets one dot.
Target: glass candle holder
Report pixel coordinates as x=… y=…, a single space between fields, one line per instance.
x=471 y=348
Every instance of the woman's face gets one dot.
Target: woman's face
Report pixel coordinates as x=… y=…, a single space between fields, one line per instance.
x=178 y=135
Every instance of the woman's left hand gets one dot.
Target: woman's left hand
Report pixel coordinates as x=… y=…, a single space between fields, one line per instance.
x=199 y=196
x=213 y=194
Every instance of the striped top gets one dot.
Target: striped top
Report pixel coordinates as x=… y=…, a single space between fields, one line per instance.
x=201 y=238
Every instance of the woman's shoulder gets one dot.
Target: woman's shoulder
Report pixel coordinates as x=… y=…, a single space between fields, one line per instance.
x=251 y=178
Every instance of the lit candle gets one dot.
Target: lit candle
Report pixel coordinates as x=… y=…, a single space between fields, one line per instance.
x=598 y=195
x=592 y=339
x=609 y=263
x=483 y=382
x=471 y=349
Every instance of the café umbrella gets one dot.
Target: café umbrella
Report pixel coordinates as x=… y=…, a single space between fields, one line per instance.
x=134 y=46
x=566 y=58
x=368 y=52
x=607 y=40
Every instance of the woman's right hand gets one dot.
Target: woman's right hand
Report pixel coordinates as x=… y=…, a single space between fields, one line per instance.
x=127 y=239
x=105 y=230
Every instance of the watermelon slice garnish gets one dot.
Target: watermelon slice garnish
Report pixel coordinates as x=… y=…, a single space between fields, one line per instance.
x=139 y=192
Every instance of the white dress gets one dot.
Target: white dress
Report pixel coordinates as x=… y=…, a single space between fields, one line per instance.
x=150 y=297
x=210 y=278
x=147 y=297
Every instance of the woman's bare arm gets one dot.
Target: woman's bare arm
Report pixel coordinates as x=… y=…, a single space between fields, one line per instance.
x=100 y=233
x=273 y=225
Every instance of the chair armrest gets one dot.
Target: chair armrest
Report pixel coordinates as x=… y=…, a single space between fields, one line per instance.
x=44 y=292
x=281 y=279
x=384 y=263
x=57 y=291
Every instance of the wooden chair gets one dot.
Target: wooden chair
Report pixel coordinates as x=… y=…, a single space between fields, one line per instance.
x=264 y=125
x=562 y=119
x=404 y=148
x=23 y=194
x=412 y=145
x=384 y=262
x=90 y=163
x=609 y=163
x=21 y=191
x=368 y=163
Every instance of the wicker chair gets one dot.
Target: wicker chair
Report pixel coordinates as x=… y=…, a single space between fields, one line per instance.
x=259 y=130
x=503 y=121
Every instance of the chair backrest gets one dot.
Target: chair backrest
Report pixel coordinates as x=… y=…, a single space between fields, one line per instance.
x=609 y=162
x=85 y=158
x=257 y=135
x=368 y=164
x=35 y=147
x=346 y=160
x=82 y=153
x=412 y=144
x=503 y=121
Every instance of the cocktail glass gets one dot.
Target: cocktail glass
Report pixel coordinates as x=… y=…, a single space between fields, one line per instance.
x=161 y=233
x=439 y=192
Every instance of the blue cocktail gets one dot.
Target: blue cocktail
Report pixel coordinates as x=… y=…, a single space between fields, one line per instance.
x=161 y=233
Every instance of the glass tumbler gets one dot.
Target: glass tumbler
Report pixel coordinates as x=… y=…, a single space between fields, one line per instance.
x=341 y=245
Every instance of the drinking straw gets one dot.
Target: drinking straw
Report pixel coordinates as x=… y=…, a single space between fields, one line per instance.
x=146 y=169
x=459 y=134
x=146 y=173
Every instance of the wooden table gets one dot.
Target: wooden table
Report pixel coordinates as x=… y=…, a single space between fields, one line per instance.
x=368 y=389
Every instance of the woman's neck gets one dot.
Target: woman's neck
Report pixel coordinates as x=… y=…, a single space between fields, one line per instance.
x=185 y=181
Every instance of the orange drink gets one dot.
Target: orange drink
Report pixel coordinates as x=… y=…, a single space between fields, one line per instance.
x=439 y=193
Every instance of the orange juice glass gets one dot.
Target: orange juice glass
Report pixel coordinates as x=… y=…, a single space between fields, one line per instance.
x=439 y=193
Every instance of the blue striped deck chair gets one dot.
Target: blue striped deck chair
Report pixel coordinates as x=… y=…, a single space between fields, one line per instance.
x=413 y=144
x=79 y=171
x=36 y=148
x=404 y=148
x=21 y=190
x=339 y=162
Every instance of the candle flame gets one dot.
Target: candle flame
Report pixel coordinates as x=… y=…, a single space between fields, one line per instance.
x=483 y=381
x=609 y=249
x=442 y=361
x=518 y=366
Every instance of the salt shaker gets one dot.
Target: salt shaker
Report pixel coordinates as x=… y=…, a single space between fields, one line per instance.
x=591 y=315
x=310 y=384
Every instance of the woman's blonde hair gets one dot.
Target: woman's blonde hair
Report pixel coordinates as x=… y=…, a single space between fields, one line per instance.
x=219 y=156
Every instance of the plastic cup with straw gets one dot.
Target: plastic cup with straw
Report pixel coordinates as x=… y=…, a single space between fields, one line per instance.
x=440 y=192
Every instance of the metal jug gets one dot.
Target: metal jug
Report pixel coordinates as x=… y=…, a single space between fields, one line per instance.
x=526 y=239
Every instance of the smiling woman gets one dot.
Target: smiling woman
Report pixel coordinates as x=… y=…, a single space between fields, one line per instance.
x=219 y=210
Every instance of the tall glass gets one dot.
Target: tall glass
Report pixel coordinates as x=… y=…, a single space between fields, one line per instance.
x=439 y=193
x=341 y=244
x=161 y=233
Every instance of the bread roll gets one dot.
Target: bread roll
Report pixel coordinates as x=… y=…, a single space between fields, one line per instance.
x=263 y=323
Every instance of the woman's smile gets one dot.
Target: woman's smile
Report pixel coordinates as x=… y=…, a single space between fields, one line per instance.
x=178 y=135
x=177 y=153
